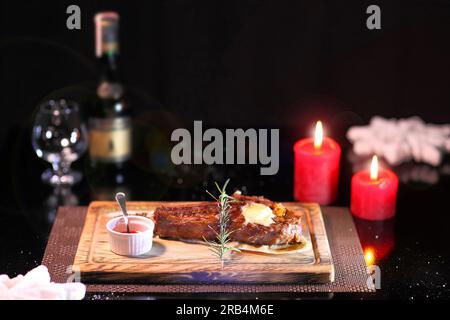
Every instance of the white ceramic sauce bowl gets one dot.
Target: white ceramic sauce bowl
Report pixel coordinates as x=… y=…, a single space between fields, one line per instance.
x=130 y=244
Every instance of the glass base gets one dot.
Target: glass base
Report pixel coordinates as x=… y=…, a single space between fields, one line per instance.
x=70 y=178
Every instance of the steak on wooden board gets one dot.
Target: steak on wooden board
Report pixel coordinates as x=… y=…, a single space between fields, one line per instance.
x=194 y=222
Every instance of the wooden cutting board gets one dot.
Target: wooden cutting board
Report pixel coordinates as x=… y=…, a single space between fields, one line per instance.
x=172 y=261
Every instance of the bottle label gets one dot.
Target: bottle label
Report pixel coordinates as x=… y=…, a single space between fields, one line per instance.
x=110 y=139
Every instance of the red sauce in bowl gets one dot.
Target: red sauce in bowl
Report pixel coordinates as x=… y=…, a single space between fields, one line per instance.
x=125 y=231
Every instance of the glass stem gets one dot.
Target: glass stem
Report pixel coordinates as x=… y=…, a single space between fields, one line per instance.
x=61 y=168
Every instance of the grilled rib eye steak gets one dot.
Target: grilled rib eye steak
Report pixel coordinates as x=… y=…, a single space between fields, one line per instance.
x=194 y=222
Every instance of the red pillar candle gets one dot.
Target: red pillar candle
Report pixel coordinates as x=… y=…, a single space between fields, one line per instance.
x=316 y=168
x=374 y=193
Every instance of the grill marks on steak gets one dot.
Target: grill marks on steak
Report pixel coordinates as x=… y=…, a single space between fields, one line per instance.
x=196 y=222
x=189 y=222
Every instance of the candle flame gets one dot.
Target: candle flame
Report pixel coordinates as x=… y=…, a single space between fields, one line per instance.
x=369 y=256
x=374 y=168
x=318 y=135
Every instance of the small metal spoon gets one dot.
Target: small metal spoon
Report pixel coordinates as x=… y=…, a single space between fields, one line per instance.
x=120 y=198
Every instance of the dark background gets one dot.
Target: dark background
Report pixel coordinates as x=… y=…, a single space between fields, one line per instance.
x=235 y=62
x=273 y=64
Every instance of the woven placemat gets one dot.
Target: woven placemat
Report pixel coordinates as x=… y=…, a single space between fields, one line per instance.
x=350 y=268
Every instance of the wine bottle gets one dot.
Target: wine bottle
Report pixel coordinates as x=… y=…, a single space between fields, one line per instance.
x=110 y=117
x=109 y=120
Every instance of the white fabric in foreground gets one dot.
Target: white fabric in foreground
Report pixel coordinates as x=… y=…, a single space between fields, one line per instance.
x=36 y=285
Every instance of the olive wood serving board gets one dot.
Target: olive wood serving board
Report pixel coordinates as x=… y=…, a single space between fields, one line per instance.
x=172 y=261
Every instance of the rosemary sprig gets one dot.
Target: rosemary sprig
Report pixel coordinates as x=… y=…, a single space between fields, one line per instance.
x=221 y=248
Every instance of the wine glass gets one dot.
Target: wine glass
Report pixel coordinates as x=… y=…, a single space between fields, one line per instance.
x=59 y=137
